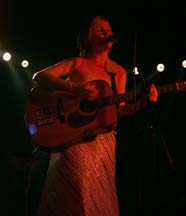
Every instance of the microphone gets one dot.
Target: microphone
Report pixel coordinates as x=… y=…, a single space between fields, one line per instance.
x=111 y=38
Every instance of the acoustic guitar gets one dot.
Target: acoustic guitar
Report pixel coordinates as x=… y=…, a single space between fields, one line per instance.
x=55 y=119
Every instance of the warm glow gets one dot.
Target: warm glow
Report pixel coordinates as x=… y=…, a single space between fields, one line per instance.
x=135 y=71
x=160 y=67
x=7 y=56
x=25 y=63
x=184 y=64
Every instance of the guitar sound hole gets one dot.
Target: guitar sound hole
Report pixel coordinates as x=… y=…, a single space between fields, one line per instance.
x=88 y=106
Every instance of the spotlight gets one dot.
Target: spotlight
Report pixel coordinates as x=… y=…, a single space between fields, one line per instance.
x=184 y=64
x=135 y=71
x=160 y=67
x=7 y=56
x=25 y=63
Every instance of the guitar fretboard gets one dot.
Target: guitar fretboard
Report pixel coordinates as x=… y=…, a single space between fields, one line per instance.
x=129 y=96
x=167 y=88
x=115 y=99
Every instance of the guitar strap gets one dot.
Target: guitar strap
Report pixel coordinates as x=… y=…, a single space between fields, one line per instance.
x=113 y=85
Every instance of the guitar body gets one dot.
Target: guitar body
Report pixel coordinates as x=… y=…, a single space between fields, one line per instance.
x=55 y=118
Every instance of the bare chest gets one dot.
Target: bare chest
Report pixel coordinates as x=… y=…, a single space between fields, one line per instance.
x=88 y=71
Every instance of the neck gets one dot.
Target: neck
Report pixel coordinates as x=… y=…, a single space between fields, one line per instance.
x=98 y=57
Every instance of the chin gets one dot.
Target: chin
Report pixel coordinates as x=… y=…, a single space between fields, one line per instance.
x=109 y=45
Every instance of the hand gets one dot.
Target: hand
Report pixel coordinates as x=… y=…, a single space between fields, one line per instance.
x=84 y=90
x=153 y=93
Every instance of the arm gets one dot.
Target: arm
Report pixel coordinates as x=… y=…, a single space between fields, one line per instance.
x=51 y=78
x=131 y=109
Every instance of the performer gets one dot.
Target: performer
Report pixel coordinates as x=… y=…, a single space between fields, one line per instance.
x=80 y=180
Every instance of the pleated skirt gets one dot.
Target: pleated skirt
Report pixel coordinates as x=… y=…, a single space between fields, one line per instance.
x=81 y=180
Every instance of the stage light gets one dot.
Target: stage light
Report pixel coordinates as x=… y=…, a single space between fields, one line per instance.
x=136 y=71
x=160 y=67
x=7 y=56
x=25 y=63
x=184 y=63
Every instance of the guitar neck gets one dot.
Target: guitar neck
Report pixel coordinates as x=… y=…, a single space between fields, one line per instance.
x=167 y=88
x=115 y=99
x=130 y=96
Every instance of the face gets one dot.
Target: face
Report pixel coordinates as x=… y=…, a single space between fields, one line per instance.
x=99 y=30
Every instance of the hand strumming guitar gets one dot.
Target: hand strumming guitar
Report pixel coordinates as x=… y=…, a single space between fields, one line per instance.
x=86 y=90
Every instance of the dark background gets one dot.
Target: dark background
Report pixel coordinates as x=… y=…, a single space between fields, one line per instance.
x=151 y=144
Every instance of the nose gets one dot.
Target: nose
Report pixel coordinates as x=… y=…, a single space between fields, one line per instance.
x=104 y=32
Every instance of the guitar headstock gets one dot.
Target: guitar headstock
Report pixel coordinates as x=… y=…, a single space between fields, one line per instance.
x=181 y=85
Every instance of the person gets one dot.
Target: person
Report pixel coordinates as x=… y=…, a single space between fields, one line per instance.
x=80 y=179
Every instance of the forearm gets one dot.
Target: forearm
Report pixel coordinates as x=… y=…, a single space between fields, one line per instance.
x=52 y=83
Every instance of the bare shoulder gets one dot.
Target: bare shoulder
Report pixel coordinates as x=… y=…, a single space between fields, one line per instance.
x=115 y=67
x=66 y=62
x=61 y=68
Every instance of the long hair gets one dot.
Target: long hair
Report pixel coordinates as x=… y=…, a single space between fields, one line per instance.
x=82 y=38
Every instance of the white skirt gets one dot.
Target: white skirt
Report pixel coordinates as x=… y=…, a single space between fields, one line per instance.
x=81 y=180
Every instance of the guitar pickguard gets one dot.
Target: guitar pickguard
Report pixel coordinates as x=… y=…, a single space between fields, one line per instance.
x=77 y=120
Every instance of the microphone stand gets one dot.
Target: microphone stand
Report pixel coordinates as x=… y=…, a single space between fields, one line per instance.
x=139 y=176
x=154 y=136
